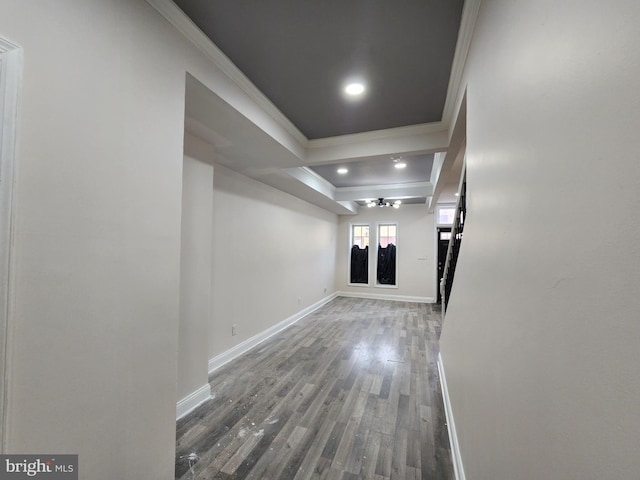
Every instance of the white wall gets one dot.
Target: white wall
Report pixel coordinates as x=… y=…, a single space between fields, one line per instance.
x=416 y=268
x=94 y=318
x=540 y=343
x=273 y=255
x=195 y=268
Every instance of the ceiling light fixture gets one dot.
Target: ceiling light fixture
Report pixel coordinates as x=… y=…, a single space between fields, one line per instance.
x=343 y=170
x=354 y=89
x=398 y=162
x=382 y=203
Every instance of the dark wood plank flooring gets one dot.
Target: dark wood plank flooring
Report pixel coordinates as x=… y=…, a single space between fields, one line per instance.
x=349 y=392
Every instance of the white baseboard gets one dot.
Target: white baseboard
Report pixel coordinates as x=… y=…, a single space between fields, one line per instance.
x=458 y=468
x=225 y=357
x=381 y=296
x=191 y=401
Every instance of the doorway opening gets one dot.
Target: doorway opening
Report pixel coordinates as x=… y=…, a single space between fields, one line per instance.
x=444 y=235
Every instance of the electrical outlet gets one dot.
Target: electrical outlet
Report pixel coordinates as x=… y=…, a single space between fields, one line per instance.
x=234 y=330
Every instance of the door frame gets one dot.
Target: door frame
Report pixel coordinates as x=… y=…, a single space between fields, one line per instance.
x=440 y=229
x=10 y=75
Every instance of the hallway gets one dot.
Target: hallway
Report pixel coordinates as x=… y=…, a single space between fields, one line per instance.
x=350 y=391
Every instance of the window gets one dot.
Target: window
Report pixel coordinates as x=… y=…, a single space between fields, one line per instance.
x=359 y=265
x=387 y=235
x=361 y=235
x=445 y=215
x=387 y=245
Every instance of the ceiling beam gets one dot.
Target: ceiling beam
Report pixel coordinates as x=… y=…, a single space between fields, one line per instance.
x=456 y=151
x=403 y=190
x=412 y=140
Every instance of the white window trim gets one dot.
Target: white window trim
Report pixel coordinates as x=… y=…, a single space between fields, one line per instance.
x=375 y=263
x=349 y=284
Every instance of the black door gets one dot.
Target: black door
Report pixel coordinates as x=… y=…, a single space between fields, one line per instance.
x=444 y=234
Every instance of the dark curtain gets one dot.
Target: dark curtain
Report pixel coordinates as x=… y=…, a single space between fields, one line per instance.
x=387 y=264
x=359 y=264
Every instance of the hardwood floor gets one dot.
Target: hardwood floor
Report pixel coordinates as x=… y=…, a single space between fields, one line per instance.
x=349 y=392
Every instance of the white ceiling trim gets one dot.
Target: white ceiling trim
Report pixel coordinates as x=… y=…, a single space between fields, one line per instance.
x=190 y=30
x=410 y=130
x=467 y=25
x=410 y=142
x=312 y=180
x=400 y=190
x=309 y=192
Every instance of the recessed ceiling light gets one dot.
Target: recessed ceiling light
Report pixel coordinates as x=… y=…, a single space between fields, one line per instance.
x=342 y=170
x=400 y=165
x=354 y=89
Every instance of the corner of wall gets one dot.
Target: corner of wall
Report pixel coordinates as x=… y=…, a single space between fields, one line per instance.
x=458 y=468
x=193 y=400
x=234 y=352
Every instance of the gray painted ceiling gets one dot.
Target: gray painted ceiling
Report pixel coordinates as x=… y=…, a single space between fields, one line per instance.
x=300 y=54
x=377 y=172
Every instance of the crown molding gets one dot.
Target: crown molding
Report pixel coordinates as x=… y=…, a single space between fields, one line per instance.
x=184 y=25
x=467 y=24
x=7 y=46
x=190 y=30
